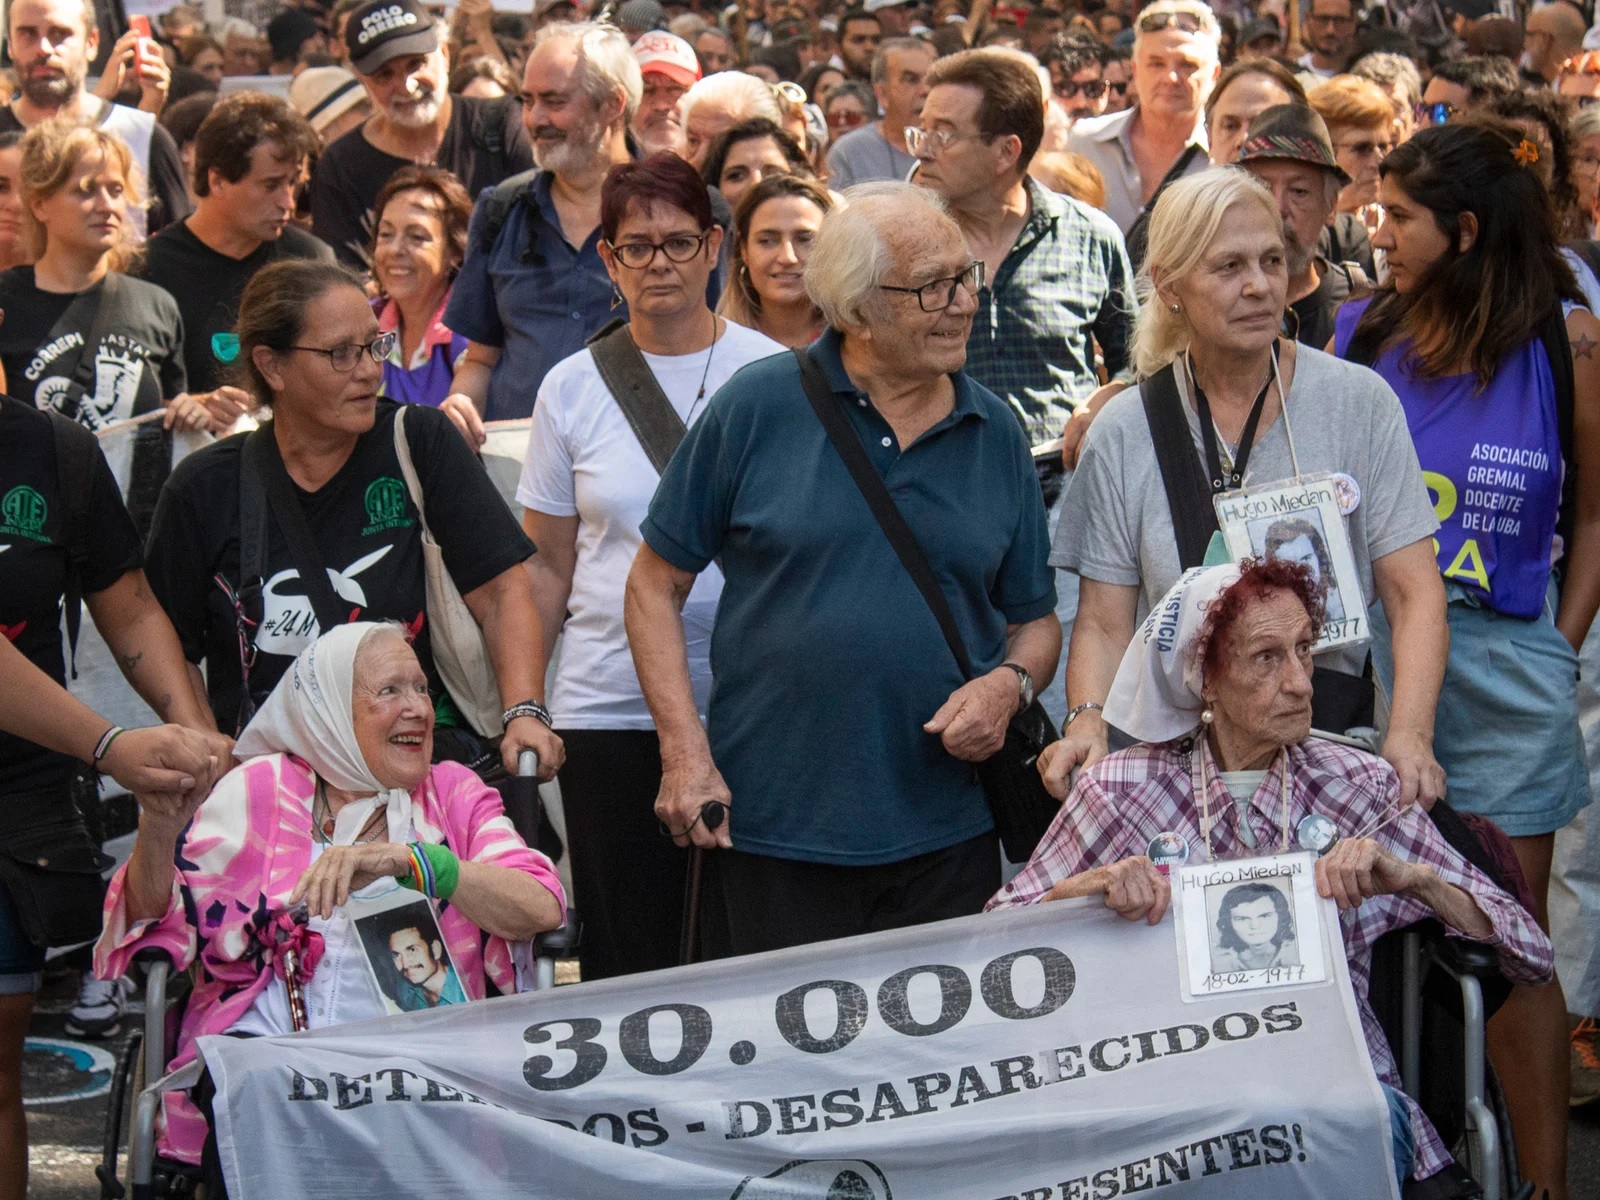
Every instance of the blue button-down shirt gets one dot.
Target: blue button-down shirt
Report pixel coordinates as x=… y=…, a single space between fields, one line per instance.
x=1064 y=285
x=534 y=296
x=825 y=659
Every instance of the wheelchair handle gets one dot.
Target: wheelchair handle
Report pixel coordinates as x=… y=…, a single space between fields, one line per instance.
x=522 y=796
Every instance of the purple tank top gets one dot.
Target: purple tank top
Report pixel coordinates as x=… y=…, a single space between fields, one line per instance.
x=1492 y=464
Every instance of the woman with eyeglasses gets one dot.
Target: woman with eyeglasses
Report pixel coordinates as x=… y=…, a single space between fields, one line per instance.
x=586 y=485
x=850 y=106
x=1360 y=120
x=264 y=540
x=1583 y=136
x=1476 y=329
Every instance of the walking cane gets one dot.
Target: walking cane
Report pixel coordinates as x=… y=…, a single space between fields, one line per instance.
x=712 y=814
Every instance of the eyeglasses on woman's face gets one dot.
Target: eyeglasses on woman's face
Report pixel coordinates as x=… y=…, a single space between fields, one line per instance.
x=1437 y=113
x=680 y=248
x=344 y=358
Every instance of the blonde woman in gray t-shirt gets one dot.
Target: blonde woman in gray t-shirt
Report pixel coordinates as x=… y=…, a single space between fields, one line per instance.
x=1215 y=285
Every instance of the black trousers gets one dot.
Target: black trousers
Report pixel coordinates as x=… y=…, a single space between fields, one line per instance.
x=627 y=876
x=752 y=902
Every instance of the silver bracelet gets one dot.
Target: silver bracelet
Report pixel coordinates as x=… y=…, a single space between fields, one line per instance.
x=1078 y=711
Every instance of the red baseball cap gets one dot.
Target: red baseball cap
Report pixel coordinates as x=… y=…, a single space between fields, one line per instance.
x=667 y=55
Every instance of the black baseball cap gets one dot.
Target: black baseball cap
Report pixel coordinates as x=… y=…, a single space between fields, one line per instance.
x=388 y=29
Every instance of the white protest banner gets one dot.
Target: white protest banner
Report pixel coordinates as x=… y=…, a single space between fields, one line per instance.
x=1038 y=1054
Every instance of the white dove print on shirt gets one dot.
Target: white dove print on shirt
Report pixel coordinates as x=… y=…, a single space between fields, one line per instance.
x=289 y=624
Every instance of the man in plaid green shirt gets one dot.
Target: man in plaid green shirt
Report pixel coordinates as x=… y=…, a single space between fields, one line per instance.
x=1057 y=276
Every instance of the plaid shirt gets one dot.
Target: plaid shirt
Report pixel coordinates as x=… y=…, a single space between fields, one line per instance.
x=1066 y=280
x=1127 y=798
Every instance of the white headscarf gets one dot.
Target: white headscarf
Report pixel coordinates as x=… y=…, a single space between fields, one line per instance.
x=309 y=715
x=1156 y=695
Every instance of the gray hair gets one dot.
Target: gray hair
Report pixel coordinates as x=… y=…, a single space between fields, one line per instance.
x=898 y=45
x=237 y=27
x=606 y=64
x=1582 y=124
x=1209 y=30
x=1391 y=70
x=744 y=96
x=851 y=254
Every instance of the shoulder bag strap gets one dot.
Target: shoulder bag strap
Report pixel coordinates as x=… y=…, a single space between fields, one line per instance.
x=76 y=450
x=1558 y=349
x=402 y=451
x=110 y=301
x=876 y=494
x=87 y=310
x=633 y=386
x=248 y=603
x=261 y=456
x=1194 y=519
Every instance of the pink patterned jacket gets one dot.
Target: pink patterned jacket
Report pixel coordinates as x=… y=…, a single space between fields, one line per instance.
x=247 y=848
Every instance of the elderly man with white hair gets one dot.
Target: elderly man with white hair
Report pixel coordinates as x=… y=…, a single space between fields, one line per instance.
x=717 y=103
x=1163 y=137
x=841 y=734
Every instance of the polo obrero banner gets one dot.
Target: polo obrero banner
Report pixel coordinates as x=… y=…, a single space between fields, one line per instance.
x=1036 y=1054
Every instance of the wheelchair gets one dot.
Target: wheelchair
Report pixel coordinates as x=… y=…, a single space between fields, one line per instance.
x=143 y=1064
x=1433 y=996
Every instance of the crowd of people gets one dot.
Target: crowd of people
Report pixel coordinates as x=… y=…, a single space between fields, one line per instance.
x=1052 y=286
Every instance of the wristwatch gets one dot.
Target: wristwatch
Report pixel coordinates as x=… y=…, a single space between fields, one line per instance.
x=1024 y=685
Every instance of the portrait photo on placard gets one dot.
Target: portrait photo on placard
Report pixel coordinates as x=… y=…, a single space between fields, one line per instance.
x=408 y=959
x=1252 y=926
x=1299 y=521
x=1244 y=924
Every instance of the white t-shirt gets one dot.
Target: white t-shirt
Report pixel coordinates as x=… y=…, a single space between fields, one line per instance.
x=584 y=461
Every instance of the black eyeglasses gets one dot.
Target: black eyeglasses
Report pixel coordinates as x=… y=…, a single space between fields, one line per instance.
x=939 y=294
x=1092 y=90
x=679 y=249
x=1118 y=89
x=344 y=358
x=1156 y=22
x=1437 y=113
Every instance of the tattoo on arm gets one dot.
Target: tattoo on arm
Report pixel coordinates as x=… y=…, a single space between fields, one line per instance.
x=1583 y=346
x=130 y=662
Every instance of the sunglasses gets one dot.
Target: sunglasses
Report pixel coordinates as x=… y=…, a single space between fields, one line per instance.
x=1437 y=113
x=1118 y=89
x=1092 y=90
x=1155 y=22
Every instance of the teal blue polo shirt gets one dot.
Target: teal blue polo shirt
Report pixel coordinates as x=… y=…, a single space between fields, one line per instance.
x=825 y=660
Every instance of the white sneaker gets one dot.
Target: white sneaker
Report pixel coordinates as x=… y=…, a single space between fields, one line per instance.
x=98 y=1011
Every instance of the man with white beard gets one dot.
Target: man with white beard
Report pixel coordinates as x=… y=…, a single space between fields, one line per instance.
x=533 y=288
x=394 y=46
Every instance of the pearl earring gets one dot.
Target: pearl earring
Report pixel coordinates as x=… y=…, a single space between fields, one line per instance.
x=1174 y=308
x=1205 y=717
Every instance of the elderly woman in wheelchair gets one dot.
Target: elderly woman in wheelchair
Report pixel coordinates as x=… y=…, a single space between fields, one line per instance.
x=1217 y=687
x=333 y=811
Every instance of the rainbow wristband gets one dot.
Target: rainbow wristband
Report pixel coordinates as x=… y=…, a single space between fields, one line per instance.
x=435 y=870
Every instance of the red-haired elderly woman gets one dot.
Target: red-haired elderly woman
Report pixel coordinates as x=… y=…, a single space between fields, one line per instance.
x=1217 y=688
x=586 y=485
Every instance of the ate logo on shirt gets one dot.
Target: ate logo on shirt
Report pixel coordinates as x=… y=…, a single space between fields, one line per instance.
x=386 y=506
x=23 y=512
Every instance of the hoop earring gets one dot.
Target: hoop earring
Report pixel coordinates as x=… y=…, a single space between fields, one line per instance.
x=617 y=300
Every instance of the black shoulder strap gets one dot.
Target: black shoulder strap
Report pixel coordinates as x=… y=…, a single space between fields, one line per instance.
x=1559 y=351
x=633 y=386
x=90 y=310
x=76 y=451
x=261 y=457
x=505 y=196
x=876 y=494
x=1138 y=238
x=1194 y=519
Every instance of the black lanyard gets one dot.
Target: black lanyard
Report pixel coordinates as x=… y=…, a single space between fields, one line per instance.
x=1230 y=481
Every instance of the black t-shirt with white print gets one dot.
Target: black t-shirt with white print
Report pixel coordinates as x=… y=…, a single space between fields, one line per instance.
x=366 y=531
x=33 y=568
x=138 y=362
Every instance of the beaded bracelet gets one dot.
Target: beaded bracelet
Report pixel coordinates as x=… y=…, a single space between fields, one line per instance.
x=528 y=708
x=103 y=746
